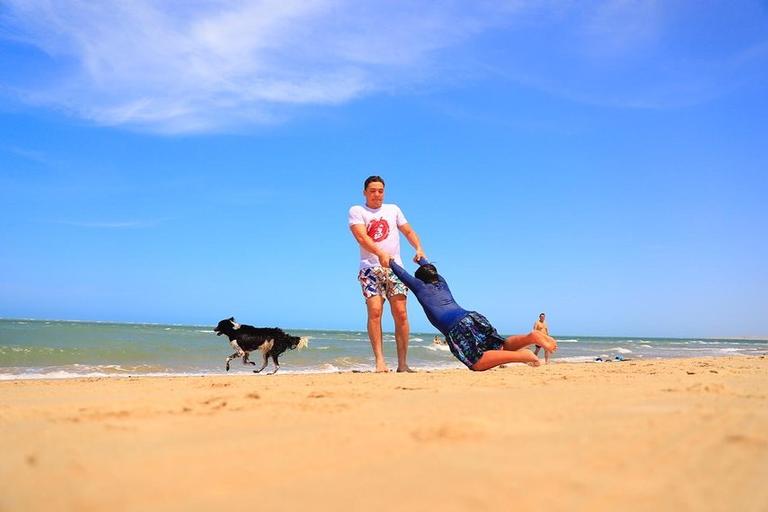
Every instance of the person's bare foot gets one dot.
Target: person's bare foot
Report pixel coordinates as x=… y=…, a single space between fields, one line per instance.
x=548 y=343
x=406 y=369
x=381 y=368
x=531 y=359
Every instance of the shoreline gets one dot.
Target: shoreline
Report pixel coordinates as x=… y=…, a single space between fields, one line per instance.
x=671 y=434
x=574 y=360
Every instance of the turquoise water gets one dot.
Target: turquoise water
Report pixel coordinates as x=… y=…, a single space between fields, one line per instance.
x=60 y=349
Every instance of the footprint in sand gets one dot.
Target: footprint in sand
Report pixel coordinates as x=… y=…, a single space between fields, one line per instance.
x=746 y=440
x=216 y=402
x=451 y=432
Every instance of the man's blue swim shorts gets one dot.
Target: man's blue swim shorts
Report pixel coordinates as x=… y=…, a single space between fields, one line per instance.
x=472 y=336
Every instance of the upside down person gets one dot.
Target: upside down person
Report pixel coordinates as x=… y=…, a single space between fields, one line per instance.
x=471 y=338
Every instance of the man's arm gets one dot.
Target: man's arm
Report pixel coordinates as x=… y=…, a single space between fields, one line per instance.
x=367 y=243
x=413 y=239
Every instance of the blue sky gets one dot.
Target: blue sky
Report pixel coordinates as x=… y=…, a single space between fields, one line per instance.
x=180 y=162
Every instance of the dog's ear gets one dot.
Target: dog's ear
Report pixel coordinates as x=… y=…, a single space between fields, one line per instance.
x=231 y=319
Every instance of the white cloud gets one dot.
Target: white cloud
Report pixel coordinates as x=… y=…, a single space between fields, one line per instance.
x=201 y=65
x=194 y=66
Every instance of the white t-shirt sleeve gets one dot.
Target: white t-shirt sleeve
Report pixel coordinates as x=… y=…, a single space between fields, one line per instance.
x=400 y=218
x=355 y=216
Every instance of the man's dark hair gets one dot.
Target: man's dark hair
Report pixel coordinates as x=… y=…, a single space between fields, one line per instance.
x=373 y=179
x=427 y=273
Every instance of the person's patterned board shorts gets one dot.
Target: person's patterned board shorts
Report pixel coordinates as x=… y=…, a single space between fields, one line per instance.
x=380 y=281
x=472 y=336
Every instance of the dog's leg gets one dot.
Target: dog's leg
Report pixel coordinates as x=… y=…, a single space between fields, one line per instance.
x=233 y=356
x=246 y=361
x=277 y=365
x=239 y=352
x=266 y=360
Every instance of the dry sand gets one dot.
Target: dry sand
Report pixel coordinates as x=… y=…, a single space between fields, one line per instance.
x=685 y=434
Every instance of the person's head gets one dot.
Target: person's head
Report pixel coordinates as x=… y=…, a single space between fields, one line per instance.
x=373 y=190
x=427 y=273
x=541 y=317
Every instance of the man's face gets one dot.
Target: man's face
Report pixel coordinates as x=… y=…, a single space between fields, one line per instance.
x=374 y=194
x=541 y=318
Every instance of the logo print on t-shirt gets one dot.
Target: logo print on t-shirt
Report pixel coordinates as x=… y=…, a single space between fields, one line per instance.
x=378 y=230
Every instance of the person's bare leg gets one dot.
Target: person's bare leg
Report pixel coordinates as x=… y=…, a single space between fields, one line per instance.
x=375 y=305
x=518 y=341
x=493 y=358
x=547 y=353
x=402 y=330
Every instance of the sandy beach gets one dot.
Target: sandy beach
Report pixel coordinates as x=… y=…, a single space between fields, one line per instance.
x=679 y=434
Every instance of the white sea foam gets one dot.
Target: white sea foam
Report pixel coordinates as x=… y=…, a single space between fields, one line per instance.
x=438 y=348
x=621 y=350
x=567 y=341
x=574 y=359
x=62 y=374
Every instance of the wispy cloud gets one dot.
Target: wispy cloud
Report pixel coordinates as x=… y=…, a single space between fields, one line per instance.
x=31 y=155
x=194 y=66
x=179 y=67
x=639 y=54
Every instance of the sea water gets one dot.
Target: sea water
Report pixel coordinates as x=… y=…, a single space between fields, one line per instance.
x=62 y=349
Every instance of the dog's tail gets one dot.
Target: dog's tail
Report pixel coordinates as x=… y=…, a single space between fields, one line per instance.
x=303 y=342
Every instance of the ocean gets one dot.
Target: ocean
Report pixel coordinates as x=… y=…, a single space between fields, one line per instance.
x=40 y=349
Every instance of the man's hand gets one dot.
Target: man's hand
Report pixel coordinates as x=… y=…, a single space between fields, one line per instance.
x=419 y=254
x=384 y=259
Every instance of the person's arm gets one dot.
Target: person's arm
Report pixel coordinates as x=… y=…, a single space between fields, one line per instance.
x=410 y=281
x=413 y=239
x=367 y=243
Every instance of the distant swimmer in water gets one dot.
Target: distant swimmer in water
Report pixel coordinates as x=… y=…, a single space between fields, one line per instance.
x=541 y=326
x=437 y=340
x=469 y=335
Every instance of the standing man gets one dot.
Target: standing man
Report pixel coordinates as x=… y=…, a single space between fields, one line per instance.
x=541 y=325
x=373 y=226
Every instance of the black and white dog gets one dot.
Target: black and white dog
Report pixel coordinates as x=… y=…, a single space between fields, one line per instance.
x=270 y=340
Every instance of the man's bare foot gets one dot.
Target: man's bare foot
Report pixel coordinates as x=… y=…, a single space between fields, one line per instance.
x=406 y=369
x=381 y=368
